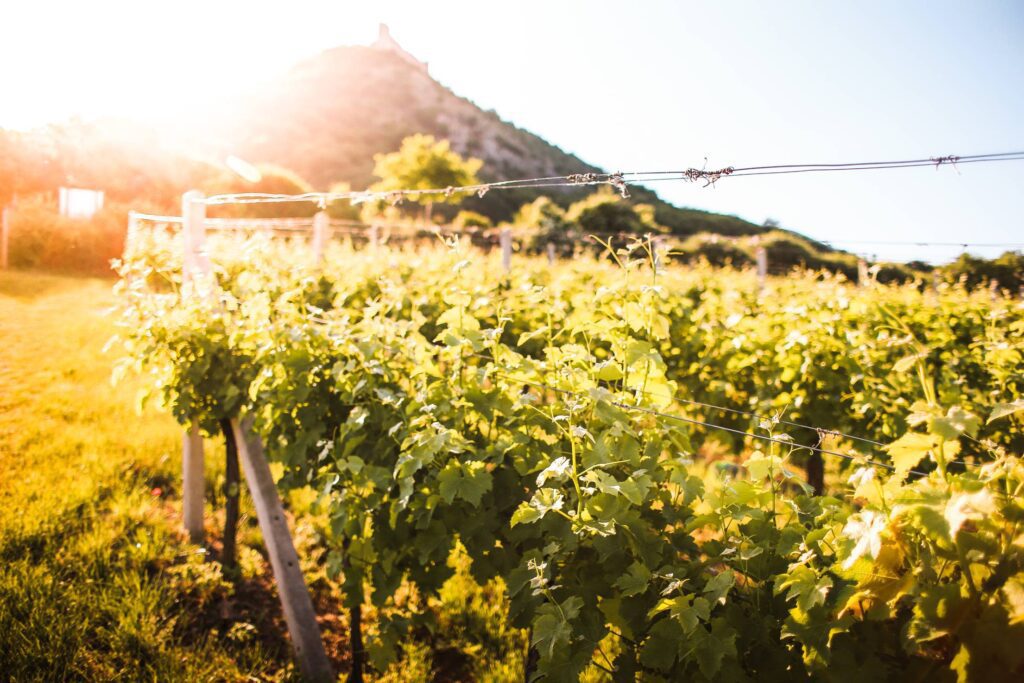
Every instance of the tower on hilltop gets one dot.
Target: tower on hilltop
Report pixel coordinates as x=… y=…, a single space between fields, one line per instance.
x=386 y=42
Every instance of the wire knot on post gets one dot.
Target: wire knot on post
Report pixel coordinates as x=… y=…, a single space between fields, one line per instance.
x=710 y=177
x=948 y=159
x=616 y=181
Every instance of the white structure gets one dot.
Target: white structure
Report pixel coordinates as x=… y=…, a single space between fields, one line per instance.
x=386 y=42
x=79 y=203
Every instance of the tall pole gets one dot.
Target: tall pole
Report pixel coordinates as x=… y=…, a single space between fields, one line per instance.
x=506 y=249
x=5 y=236
x=762 y=267
x=321 y=224
x=193 y=214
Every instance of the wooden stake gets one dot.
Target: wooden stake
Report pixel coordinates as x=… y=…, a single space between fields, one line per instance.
x=657 y=247
x=506 y=249
x=193 y=483
x=862 y=273
x=193 y=231
x=298 y=607
x=321 y=224
x=762 y=267
x=551 y=253
x=133 y=227
x=193 y=214
x=5 y=235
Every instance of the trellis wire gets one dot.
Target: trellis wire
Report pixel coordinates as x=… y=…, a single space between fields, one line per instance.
x=618 y=180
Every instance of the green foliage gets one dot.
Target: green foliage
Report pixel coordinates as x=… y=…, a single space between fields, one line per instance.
x=41 y=238
x=712 y=249
x=96 y=579
x=531 y=418
x=1007 y=270
x=546 y=222
x=606 y=212
x=471 y=219
x=423 y=163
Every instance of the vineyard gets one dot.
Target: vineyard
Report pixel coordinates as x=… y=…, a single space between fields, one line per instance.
x=676 y=472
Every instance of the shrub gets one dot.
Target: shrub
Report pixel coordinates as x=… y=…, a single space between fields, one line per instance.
x=471 y=219
x=41 y=238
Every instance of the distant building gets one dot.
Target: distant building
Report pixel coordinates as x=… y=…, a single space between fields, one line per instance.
x=78 y=203
x=386 y=42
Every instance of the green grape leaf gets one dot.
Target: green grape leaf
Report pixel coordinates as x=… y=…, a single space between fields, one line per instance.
x=1003 y=409
x=714 y=645
x=558 y=470
x=686 y=609
x=957 y=421
x=719 y=585
x=526 y=514
x=468 y=480
x=543 y=502
x=760 y=466
x=804 y=586
x=660 y=649
x=635 y=580
x=551 y=628
x=1013 y=592
x=909 y=450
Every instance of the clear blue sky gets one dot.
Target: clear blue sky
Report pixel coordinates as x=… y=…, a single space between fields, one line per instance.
x=625 y=85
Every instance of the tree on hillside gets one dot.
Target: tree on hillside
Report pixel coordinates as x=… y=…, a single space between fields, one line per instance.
x=423 y=163
x=1007 y=270
x=545 y=222
x=605 y=211
x=466 y=220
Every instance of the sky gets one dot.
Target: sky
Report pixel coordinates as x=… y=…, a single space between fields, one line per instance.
x=628 y=86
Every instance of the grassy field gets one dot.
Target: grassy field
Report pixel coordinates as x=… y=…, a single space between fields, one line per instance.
x=97 y=581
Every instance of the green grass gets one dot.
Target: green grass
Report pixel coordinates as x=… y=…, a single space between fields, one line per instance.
x=97 y=579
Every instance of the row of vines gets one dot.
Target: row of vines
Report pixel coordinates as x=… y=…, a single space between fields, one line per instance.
x=563 y=424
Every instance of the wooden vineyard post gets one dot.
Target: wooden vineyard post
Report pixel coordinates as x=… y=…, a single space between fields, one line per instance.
x=298 y=607
x=762 y=267
x=193 y=214
x=374 y=238
x=193 y=231
x=321 y=224
x=506 y=249
x=5 y=236
x=657 y=253
x=551 y=253
x=192 y=483
x=133 y=227
x=862 y=273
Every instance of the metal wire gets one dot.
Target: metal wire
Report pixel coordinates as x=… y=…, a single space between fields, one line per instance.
x=711 y=425
x=736 y=411
x=619 y=180
x=156 y=219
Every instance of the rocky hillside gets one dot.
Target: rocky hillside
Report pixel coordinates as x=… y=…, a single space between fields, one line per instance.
x=328 y=116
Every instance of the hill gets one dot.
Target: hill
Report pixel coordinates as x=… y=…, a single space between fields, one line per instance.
x=328 y=116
